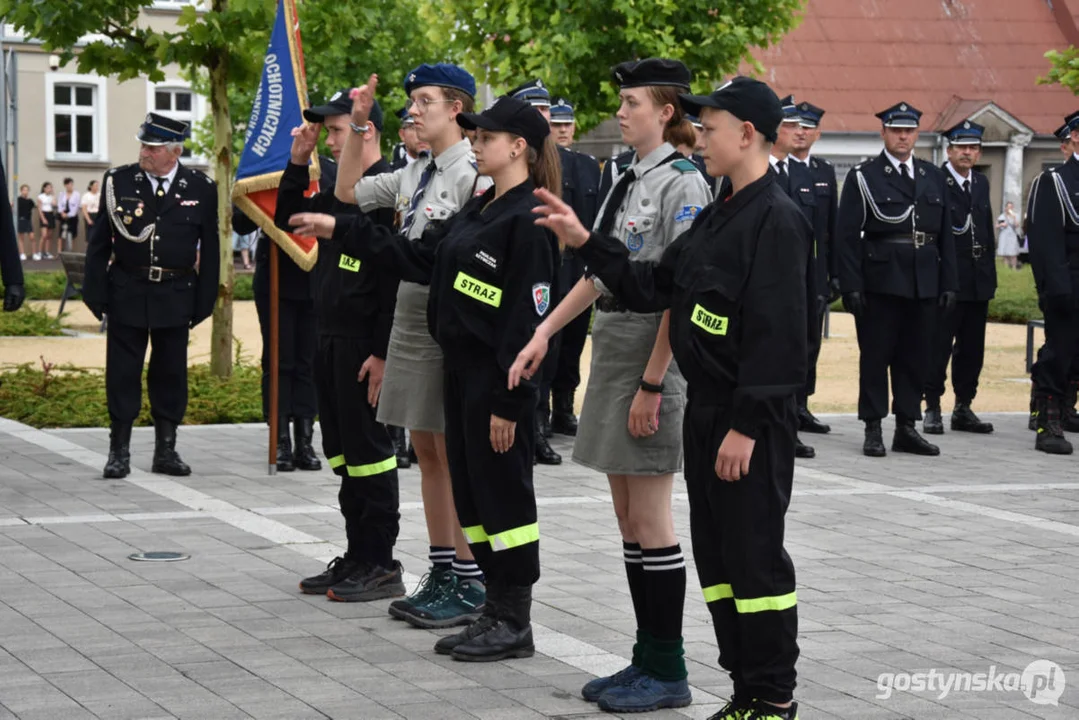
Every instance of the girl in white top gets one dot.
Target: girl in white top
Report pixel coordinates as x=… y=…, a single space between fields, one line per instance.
x=46 y=208
x=91 y=201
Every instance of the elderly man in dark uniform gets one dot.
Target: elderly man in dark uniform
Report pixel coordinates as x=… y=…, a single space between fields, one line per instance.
x=960 y=335
x=896 y=264
x=158 y=223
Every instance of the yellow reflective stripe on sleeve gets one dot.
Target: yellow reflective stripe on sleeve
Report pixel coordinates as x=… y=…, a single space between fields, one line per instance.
x=336 y=461
x=386 y=465
x=474 y=534
x=473 y=288
x=717 y=592
x=348 y=263
x=777 y=602
x=509 y=539
x=709 y=322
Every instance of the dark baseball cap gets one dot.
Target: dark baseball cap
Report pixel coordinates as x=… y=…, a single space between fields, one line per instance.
x=511 y=116
x=747 y=99
x=341 y=104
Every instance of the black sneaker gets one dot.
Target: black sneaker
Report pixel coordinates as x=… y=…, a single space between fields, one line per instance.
x=338 y=569
x=369 y=582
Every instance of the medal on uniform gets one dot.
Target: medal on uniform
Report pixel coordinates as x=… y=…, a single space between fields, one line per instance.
x=160 y=192
x=138 y=212
x=127 y=219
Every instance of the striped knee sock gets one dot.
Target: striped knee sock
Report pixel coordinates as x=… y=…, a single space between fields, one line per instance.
x=441 y=557
x=665 y=589
x=467 y=570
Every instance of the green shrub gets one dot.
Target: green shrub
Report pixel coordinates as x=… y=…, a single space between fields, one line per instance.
x=49 y=285
x=28 y=321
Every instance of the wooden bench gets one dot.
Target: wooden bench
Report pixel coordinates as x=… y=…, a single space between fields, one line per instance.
x=75 y=268
x=1031 y=324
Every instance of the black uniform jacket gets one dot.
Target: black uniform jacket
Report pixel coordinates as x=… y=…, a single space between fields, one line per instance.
x=10 y=265
x=352 y=299
x=735 y=286
x=975 y=246
x=492 y=274
x=873 y=240
x=580 y=184
x=1053 y=231
x=175 y=229
x=825 y=216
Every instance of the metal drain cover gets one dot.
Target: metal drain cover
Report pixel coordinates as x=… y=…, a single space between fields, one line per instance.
x=158 y=556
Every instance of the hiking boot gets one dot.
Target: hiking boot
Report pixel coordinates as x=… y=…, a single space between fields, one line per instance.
x=166 y=460
x=808 y=422
x=432 y=585
x=933 y=424
x=447 y=644
x=459 y=604
x=338 y=569
x=509 y=636
x=1050 y=438
x=766 y=711
x=369 y=582
x=119 y=463
x=964 y=420
x=645 y=693
x=594 y=688
x=304 y=455
x=907 y=439
x=736 y=709
x=563 y=421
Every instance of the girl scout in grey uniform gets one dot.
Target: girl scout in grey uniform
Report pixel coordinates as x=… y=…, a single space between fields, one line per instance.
x=426 y=193
x=632 y=376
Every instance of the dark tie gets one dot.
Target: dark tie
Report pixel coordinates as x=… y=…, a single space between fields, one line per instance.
x=425 y=178
x=161 y=185
x=905 y=172
x=966 y=186
x=614 y=202
x=784 y=178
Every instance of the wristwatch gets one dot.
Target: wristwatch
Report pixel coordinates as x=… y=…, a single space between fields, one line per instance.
x=359 y=129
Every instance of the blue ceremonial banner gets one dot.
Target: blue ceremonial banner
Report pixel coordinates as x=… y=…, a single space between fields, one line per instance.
x=279 y=105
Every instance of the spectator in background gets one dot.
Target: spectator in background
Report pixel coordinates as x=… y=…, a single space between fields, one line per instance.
x=70 y=200
x=90 y=204
x=24 y=211
x=244 y=243
x=46 y=208
x=1008 y=239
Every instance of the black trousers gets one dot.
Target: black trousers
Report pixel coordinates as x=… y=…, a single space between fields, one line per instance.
x=295 y=357
x=737 y=529
x=960 y=337
x=358 y=449
x=495 y=499
x=567 y=375
x=894 y=335
x=1058 y=359
x=816 y=335
x=166 y=378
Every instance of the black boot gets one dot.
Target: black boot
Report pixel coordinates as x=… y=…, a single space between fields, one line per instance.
x=964 y=420
x=1050 y=431
x=400 y=447
x=933 y=424
x=119 y=462
x=543 y=421
x=1032 y=421
x=874 y=441
x=808 y=422
x=305 y=457
x=563 y=421
x=479 y=626
x=510 y=636
x=1069 y=418
x=907 y=439
x=166 y=460
x=285 y=462
x=545 y=454
x=801 y=450
x=412 y=453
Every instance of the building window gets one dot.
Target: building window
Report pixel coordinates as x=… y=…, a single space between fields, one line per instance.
x=76 y=118
x=176 y=100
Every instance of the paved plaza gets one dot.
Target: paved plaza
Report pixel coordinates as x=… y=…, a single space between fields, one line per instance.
x=928 y=578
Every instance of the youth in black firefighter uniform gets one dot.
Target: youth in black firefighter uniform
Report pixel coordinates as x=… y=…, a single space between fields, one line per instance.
x=1053 y=233
x=158 y=219
x=960 y=334
x=491 y=271
x=825 y=277
x=735 y=286
x=896 y=265
x=354 y=306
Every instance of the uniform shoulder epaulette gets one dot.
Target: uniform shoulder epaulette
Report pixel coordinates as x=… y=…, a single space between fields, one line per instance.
x=684 y=166
x=824 y=161
x=123 y=168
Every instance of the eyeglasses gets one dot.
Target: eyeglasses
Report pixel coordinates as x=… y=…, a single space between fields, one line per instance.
x=424 y=103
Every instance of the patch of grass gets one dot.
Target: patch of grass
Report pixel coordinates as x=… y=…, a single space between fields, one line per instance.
x=28 y=321
x=1016 y=300
x=49 y=285
x=48 y=396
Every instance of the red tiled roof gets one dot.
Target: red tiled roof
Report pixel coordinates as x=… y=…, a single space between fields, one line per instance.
x=856 y=57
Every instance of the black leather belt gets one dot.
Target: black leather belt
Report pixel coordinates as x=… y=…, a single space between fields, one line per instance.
x=153 y=273
x=611 y=304
x=917 y=239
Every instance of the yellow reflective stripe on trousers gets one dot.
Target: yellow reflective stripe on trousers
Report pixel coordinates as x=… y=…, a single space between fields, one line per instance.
x=509 y=539
x=717 y=592
x=470 y=286
x=474 y=534
x=336 y=461
x=776 y=602
x=386 y=465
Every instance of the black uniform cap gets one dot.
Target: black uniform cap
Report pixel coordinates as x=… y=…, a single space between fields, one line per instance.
x=160 y=130
x=652 y=71
x=511 y=116
x=747 y=99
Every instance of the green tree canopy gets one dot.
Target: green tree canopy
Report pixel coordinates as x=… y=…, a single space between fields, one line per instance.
x=572 y=45
x=1063 y=69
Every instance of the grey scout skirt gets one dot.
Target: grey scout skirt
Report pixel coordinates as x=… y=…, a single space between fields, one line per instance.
x=412 y=386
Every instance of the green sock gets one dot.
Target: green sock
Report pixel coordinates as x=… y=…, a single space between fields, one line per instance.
x=640 y=648
x=666 y=660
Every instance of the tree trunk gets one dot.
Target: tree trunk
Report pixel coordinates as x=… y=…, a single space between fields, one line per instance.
x=221 y=337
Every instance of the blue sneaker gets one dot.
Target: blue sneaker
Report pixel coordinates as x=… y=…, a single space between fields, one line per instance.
x=644 y=694
x=594 y=688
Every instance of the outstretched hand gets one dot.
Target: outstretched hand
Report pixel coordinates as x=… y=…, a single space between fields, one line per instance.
x=317 y=225
x=304 y=140
x=363 y=99
x=559 y=218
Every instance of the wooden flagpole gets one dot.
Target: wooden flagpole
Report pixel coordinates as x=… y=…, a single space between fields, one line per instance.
x=274 y=335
